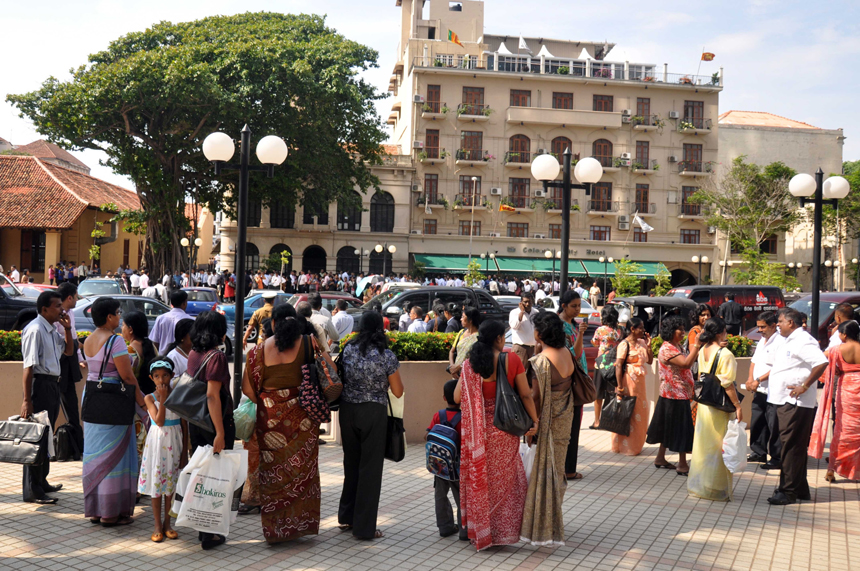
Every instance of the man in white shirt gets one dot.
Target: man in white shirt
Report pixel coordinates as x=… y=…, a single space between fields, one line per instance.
x=843 y=312
x=322 y=316
x=764 y=428
x=522 y=322
x=144 y=280
x=527 y=286
x=343 y=322
x=416 y=314
x=494 y=286
x=83 y=271
x=791 y=387
x=304 y=279
x=540 y=294
x=449 y=282
x=135 y=284
x=14 y=275
x=512 y=287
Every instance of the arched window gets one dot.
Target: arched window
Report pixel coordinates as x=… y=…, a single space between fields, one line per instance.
x=252 y=256
x=559 y=145
x=382 y=212
x=519 y=152
x=314 y=259
x=602 y=151
x=349 y=215
x=280 y=248
x=348 y=261
x=380 y=262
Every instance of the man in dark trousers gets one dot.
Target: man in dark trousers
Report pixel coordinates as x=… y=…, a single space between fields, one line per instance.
x=42 y=347
x=764 y=428
x=70 y=366
x=732 y=313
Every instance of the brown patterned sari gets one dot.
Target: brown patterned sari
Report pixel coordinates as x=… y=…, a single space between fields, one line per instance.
x=289 y=480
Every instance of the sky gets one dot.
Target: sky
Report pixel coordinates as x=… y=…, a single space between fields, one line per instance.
x=786 y=57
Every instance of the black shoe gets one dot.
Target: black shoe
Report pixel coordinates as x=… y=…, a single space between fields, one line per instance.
x=760 y=458
x=448 y=533
x=770 y=466
x=780 y=499
x=42 y=501
x=49 y=489
x=216 y=540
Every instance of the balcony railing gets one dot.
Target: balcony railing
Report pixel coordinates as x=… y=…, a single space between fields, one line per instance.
x=603 y=206
x=429 y=153
x=646 y=120
x=434 y=107
x=518 y=157
x=519 y=200
x=643 y=208
x=606 y=161
x=694 y=123
x=686 y=209
x=466 y=199
x=472 y=155
x=696 y=166
x=473 y=109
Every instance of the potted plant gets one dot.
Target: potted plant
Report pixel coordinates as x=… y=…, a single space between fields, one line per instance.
x=444 y=109
x=512 y=157
x=486 y=203
x=427 y=108
x=638 y=166
x=659 y=123
x=506 y=200
x=421 y=201
x=441 y=200
x=549 y=205
x=603 y=72
x=684 y=125
x=487 y=111
x=686 y=80
x=458 y=202
x=488 y=156
x=574 y=207
x=655 y=166
x=438 y=63
x=637 y=120
x=648 y=78
x=715 y=78
x=563 y=70
x=461 y=109
x=443 y=154
x=422 y=155
x=616 y=162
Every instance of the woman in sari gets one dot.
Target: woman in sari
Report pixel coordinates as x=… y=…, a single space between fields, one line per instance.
x=543 y=521
x=466 y=337
x=492 y=478
x=842 y=386
x=708 y=477
x=141 y=352
x=634 y=352
x=110 y=451
x=570 y=306
x=289 y=480
x=605 y=338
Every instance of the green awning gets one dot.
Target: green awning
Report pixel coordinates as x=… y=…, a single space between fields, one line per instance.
x=595 y=269
x=438 y=263
x=538 y=266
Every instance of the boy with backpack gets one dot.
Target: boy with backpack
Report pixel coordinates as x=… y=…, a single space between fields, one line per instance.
x=443 y=461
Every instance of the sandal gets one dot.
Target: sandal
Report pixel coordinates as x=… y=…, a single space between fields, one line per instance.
x=124 y=520
x=344 y=527
x=678 y=472
x=378 y=534
x=830 y=476
x=171 y=534
x=576 y=476
x=245 y=509
x=157 y=537
x=666 y=466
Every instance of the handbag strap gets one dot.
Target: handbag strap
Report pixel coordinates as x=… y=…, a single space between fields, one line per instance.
x=716 y=362
x=107 y=349
x=306 y=346
x=203 y=364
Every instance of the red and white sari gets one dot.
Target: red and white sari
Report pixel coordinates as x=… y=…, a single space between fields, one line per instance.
x=493 y=482
x=845 y=445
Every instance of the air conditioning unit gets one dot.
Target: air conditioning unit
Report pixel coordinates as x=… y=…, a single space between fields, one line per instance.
x=672 y=197
x=673 y=158
x=416 y=188
x=623 y=218
x=712 y=229
x=624 y=225
x=540 y=236
x=626 y=162
x=495 y=235
x=542 y=151
x=417 y=99
x=626 y=156
x=417 y=144
x=625 y=119
x=674 y=115
x=540 y=193
x=496 y=191
x=626 y=112
x=419 y=232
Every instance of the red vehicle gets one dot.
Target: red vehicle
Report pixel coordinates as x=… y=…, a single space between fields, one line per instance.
x=755 y=299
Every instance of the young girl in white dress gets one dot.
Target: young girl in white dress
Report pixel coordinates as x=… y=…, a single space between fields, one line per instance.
x=162 y=457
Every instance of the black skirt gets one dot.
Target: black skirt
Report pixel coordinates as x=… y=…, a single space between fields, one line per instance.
x=672 y=425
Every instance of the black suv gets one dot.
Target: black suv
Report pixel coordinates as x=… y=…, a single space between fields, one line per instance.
x=16 y=310
x=393 y=300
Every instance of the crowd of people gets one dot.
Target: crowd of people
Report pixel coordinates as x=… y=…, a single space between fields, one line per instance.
x=141 y=450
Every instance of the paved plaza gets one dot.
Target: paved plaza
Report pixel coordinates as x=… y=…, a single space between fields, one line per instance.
x=623 y=515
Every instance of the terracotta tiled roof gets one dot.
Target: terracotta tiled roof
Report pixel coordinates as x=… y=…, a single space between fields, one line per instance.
x=38 y=194
x=391 y=149
x=761 y=119
x=45 y=150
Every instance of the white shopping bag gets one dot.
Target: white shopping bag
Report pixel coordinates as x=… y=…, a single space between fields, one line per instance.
x=208 y=497
x=185 y=477
x=527 y=455
x=238 y=480
x=42 y=418
x=735 y=447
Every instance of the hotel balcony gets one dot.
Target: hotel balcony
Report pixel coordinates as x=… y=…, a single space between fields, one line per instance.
x=604 y=207
x=695 y=168
x=472 y=157
x=473 y=112
x=694 y=126
x=434 y=110
x=692 y=211
x=563 y=117
x=518 y=160
x=643 y=208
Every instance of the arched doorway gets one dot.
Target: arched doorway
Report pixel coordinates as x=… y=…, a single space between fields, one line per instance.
x=347 y=260
x=278 y=249
x=682 y=278
x=313 y=259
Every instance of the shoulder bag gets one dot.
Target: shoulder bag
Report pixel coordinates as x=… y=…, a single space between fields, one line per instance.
x=188 y=398
x=395 y=436
x=23 y=442
x=311 y=397
x=108 y=403
x=616 y=414
x=327 y=374
x=510 y=415
x=584 y=391
x=710 y=392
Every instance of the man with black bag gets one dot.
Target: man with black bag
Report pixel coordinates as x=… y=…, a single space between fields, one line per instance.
x=70 y=366
x=42 y=346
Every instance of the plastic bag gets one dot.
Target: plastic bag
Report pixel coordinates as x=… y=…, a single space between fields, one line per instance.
x=211 y=487
x=527 y=455
x=735 y=447
x=245 y=419
x=42 y=418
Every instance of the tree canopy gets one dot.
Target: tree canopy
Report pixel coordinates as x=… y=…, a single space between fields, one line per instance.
x=151 y=97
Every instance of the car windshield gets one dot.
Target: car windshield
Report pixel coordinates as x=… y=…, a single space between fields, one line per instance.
x=383 y=298
x=825 y=308
x=9 y=288
x=680 y=293
x=201 y=295
x=98 y=287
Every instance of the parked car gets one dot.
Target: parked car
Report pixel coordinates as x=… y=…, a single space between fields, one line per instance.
x=329 y=298
x=201 y=299
x=508 y=302
x=550 y=303
x=252 y=304
x=393 y=300
x=33 y=290
x=16 y=309
x=151 y=308
x=101 y=286
x=827 y=303
x=755 y=299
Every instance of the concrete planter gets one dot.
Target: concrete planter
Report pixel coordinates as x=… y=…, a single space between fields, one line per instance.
x=12 y=389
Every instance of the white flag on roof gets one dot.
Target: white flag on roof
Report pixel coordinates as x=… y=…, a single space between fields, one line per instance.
x=642 y=224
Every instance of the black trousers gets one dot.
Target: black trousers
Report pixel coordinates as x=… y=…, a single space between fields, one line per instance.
x=70 y=374
x=573 y=447
x=363 y=427
x=46 y=396
x=733 y=329
x=795 y=428
x=444 y=513
x=764 y=429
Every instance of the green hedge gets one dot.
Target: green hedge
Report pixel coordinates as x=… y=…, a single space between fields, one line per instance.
x=416 y=346
x=739 y=346
x=10 y=344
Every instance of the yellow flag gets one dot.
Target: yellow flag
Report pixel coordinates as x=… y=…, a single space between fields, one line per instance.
x=506 y=208
x=453 y=38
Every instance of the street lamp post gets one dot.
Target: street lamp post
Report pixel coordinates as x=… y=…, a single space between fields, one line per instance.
x=588 y=171
x=361 y=253
x=271 y=151
x=380 y=248
x=822 y=192
x=700 y=261
x=726 y=265
x=487 y=256
x=187 y=244
x=832 y=266
x=552 y=254
x=605 y=262
x=794 y=266
x=856 y=262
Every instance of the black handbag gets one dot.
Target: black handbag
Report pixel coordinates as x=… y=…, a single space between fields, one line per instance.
x=606 y=369
x=709 y=392
x=23 y=442
x=616 y=414
x=395 y=437
x=188 y=398
x=108 y=403
x=510 y=415
x=66 y=447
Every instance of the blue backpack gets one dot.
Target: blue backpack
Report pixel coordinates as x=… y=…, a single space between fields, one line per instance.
x=443 y=448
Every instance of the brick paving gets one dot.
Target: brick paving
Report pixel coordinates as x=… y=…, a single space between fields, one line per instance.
x=623 y=515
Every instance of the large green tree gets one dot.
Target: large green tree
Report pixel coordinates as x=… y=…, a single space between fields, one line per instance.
x=151 y=97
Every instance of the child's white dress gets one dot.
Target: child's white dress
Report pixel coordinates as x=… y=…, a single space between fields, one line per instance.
x=159 y=465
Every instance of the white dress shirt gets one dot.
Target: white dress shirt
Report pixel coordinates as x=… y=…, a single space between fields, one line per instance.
x=540 y=295
x=764 y=358
x=144 y=281
x=135 y=281
x=418 y=326
x=523 y=332
x=343 y=323
x=325 y=323
x=42 y=346
x=794 y=361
